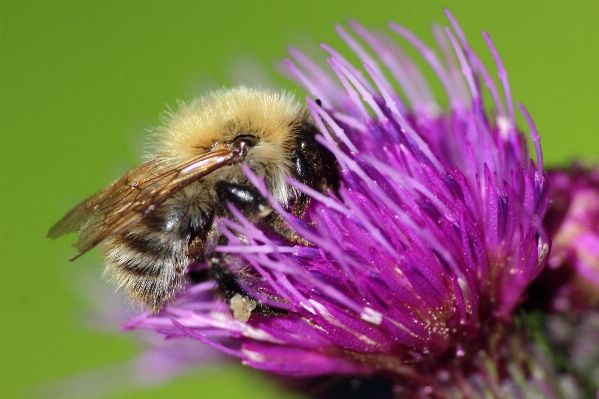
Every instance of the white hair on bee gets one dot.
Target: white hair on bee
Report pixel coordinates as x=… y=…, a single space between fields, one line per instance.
x=273 y=116
x=222 y=114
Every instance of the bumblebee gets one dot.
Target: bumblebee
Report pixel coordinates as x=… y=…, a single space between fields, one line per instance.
x=160 y=217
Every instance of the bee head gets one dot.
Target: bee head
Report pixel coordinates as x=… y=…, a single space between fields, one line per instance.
x=265 y=119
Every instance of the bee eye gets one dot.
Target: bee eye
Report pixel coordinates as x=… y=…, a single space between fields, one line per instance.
x=249 y=140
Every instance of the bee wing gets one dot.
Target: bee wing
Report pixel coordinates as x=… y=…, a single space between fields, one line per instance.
x=136 y=194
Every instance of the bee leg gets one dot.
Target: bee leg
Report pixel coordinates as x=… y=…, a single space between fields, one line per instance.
x=278 y=225
x=247 y=200
x=241 y=303
x=256 y=208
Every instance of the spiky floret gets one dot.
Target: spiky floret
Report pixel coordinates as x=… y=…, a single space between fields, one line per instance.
x=421 y=256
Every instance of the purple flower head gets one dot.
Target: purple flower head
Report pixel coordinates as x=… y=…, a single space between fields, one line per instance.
x=573 y=222
x=424 y=251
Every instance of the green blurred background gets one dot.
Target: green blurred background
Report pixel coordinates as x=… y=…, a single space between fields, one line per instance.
x=81 y=81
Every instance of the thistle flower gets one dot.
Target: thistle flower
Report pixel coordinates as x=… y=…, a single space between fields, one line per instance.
x=573 y=221
x=421 y=256
x=567 y=291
